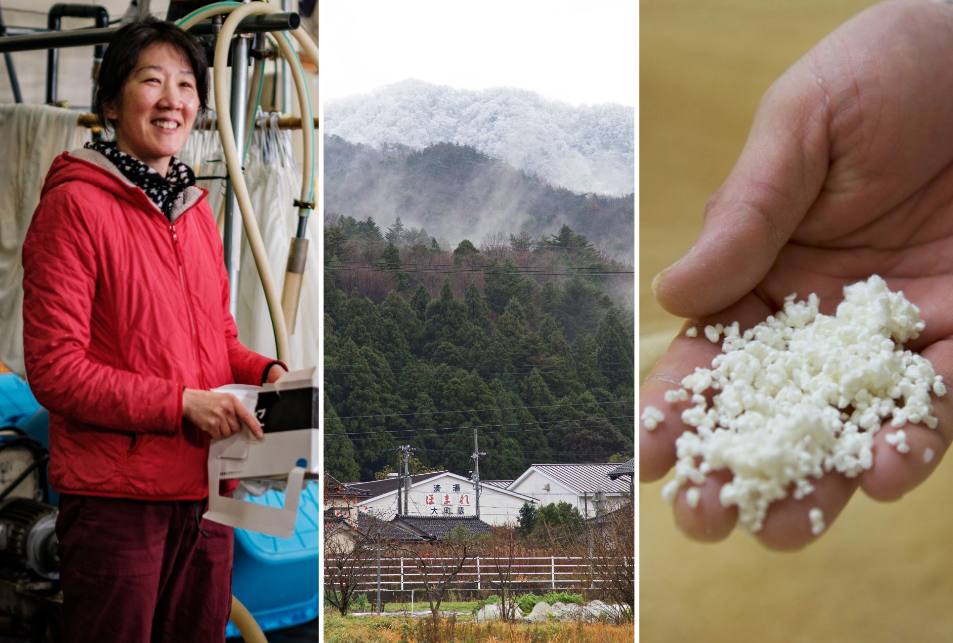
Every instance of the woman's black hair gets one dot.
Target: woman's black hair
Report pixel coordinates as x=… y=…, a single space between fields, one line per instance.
x=123 y=54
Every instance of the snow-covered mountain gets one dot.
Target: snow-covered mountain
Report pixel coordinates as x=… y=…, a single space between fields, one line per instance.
x=587 y=149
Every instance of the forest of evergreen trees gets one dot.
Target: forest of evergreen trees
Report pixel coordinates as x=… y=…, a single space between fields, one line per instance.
x=521 y=338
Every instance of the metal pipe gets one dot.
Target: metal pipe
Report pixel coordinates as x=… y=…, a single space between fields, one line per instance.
x=12 y=73
x=11 y=69
x=93 y=36
x=232 y=237
x=256 y=24
x=286 y=79
x=53 y=21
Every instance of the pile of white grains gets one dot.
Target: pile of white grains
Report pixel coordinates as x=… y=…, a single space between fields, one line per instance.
x=802 y=394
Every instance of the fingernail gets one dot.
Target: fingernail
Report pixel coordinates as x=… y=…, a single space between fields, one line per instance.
x=655 y=281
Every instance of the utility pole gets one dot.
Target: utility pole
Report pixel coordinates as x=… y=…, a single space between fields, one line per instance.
x=476 y=469
x=403 y=468
x=400 y=484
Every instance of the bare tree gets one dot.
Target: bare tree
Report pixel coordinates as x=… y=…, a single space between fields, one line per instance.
x=504 y=549
x=349 y=555
x=495 y=244
x=611 y=553
x=438 y=565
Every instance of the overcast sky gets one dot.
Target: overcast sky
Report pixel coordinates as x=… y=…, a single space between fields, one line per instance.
x=577 y=51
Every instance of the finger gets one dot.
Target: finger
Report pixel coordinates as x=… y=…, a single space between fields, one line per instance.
x=893 y=473
x=214 y=428
x=250 y=422
x=232 y=425
x=753 y=214
x=657 y=447
x=708 y=520
x=787 y=525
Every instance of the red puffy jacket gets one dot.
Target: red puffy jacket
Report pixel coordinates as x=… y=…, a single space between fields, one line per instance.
x=121 y=311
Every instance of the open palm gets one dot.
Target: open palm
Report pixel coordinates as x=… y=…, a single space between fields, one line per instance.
x=847 y=172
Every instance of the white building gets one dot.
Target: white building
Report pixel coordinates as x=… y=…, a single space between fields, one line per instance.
x=443 y=494
x=584 y=486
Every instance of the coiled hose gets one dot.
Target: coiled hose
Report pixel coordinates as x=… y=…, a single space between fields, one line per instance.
x=287 y=308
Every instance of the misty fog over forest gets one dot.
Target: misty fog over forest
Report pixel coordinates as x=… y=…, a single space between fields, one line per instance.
x=586 y=149
x=455 y=192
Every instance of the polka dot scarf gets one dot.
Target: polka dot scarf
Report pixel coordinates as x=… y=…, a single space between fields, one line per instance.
x=161 y=191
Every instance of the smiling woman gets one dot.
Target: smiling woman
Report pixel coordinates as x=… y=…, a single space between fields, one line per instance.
x=126 y=327
x=154 y=114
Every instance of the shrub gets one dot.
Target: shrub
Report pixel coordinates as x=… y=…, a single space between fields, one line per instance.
x=527 y=602
x=564 y=597
x=360 y=603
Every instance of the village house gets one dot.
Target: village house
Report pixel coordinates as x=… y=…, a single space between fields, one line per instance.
x=587 y=487
x=441 y=494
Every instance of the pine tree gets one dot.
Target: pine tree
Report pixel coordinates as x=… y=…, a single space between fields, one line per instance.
x=615 y=358
x=338 y=450
x=391 y=257
x=395 y=233
x=419 y=302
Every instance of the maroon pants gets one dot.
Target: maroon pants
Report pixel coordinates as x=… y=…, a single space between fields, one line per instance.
x=137 y=571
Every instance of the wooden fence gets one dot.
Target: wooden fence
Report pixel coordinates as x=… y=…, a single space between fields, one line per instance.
x=549 y=573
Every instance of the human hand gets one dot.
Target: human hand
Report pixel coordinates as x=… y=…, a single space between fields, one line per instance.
x=847 y=172
x=218 y=414
x=275 y=371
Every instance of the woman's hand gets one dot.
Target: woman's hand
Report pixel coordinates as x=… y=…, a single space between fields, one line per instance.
x=847 y=172
x=218 y=414
x=274 y=372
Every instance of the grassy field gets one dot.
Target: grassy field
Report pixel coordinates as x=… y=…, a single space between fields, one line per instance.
x=446 y=606
x=395 y=629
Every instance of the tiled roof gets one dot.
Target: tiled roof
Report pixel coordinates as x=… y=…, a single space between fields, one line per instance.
x=624 y=469
x=585 y=478
x=502 y=484
x=376 y=488
x=439 y=527
x=372 y=526
x=335 y=489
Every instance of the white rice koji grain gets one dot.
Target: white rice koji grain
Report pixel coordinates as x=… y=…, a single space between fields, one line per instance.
x=692 y=496
x=651 y=417
x=928 y=455
x=802 y=394
x=691 y=331
x=816 y=516
x=898 y=440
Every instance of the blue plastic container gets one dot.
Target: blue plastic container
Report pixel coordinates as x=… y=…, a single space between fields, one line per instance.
x=17 y=403
x=277 y=578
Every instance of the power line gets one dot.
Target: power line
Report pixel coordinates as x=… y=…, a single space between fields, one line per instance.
x=495 y=408
x=482 y=271
x=395 y=432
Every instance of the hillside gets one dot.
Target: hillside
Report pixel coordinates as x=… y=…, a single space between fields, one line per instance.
x=587 y=149
x=457 y=192
x=524 y=341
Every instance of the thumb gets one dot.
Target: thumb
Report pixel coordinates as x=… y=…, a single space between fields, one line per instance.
x=753 y=214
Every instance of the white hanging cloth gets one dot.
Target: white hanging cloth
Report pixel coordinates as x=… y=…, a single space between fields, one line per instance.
x=274 y=182
x=31 y=136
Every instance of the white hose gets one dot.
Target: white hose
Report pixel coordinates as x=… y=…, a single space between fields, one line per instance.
x=232 y=156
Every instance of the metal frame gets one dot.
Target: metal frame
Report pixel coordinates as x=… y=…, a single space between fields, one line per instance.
x=96 y=36
x=54 y=40
x=54 y=19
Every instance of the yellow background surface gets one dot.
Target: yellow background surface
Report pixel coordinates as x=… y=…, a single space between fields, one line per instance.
x=884 y=572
